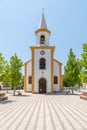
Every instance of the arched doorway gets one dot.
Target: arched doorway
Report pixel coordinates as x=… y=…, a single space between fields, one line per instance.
x=42 y=85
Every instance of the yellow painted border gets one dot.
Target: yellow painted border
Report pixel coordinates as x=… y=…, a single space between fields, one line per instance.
x=42 y=47
x=32 y=70
x=52 y=70
x=25 y=78
x=60 y=75
x=25 y=75
x=52 y=64
x=57 y=61
x=61 y=81
x=27 y=62
x=42 y=30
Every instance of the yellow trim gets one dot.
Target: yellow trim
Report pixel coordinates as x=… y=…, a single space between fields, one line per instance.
x=61 y=82
x=57 y=61
x=27 y=62
x=52 y=64
x=25 y=75
x=32 y=70
x=60 y=75
x=61 y=79
x=52 y=70
x=42 y=47
x=42 y=30
x=25 y=78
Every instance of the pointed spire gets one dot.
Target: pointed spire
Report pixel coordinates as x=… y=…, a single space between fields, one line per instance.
x=42 y=26
x=43 y=22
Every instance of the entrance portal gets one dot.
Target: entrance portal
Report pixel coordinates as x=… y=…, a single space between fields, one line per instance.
x=42 y=85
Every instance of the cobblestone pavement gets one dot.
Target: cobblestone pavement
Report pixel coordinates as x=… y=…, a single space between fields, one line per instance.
x=43 y=112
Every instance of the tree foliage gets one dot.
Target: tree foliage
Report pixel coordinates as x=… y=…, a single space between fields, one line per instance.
x=72 y=70
x=84 y=64
x=15 y=70
x=6 y=76
x=79 y=81
x=2 y=66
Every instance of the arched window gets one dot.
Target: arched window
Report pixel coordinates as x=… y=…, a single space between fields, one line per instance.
x=55 y=80
x=42 y=39
x=42 y=63
x=29 y=80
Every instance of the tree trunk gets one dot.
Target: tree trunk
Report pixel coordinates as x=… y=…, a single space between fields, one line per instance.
x=14 y=92
x=79 y=89
x=72 y=91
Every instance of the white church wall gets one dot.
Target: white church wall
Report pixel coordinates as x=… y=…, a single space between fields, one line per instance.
x=46 y=38
x=56 y=73
x=42 y=73
x=29 y=73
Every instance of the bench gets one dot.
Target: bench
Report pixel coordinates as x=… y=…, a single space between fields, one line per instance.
x=3 y=97
x=84 y=95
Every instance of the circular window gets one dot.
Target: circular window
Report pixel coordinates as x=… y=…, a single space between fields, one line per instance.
x=42 y=52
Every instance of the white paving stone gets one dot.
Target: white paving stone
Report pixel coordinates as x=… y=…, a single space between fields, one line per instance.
x=43 y=112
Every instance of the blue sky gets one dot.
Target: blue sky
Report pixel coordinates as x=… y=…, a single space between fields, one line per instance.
x=67 y=20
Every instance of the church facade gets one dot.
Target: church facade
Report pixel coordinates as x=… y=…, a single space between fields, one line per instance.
x=43 y=73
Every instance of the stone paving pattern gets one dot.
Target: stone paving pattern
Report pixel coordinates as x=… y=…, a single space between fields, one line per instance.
x=43 y=112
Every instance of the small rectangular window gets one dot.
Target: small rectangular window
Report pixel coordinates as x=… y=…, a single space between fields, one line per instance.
x=29 y=80
x=55 y=80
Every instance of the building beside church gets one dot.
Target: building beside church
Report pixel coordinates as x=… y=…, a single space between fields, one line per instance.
x=43 y=73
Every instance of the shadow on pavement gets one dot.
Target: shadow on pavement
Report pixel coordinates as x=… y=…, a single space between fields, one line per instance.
x=61 y=93
x=6 y=101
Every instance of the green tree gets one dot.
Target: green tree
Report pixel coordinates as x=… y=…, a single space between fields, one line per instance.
x=6 y=76
x=65 y=81
x=15 y=71
x=2 y=66
x=79 y=69
x=84 y=64
x=22 y=81
x=71 y=70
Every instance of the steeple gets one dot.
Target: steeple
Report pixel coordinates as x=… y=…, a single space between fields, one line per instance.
x=42 y=33
x=43 y=22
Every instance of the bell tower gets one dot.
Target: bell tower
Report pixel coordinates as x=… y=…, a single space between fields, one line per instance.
x=42 y=33
x=42 y=72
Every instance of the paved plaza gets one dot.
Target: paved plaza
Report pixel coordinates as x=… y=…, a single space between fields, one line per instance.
x=43 y=112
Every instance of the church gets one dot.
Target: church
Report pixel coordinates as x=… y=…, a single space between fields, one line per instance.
x=43 y=73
